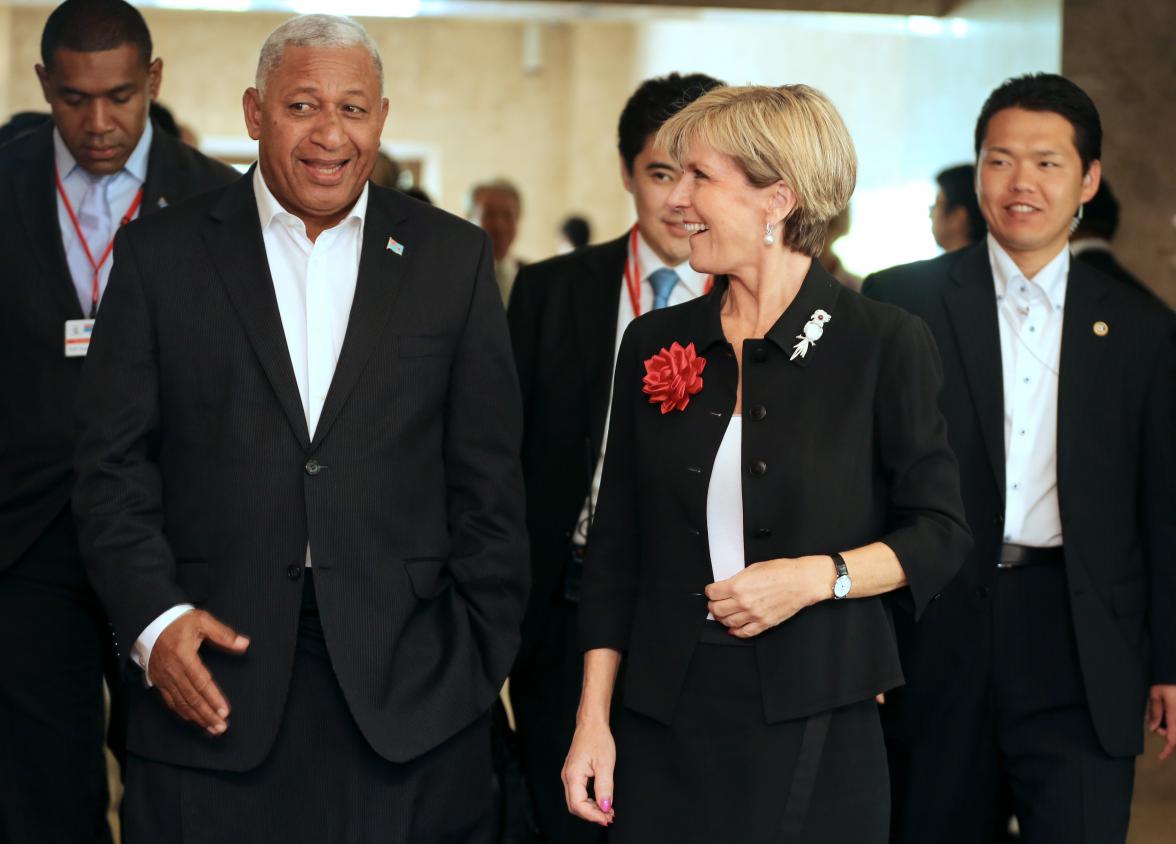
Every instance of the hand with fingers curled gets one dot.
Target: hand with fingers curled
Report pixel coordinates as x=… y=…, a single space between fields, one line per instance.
x=592 y=756
x=1161 y=716
x=184 y=682
x=768 y=593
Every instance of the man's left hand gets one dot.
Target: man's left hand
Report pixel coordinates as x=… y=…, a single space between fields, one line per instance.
x=1161 y=716
x=765 y=594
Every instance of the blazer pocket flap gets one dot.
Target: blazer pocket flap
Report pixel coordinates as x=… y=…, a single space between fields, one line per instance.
x=429 y=577
x=423 y=345
x=1129 y=598
x=193 y=577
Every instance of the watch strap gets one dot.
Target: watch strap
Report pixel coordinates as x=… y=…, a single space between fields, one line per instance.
x=839 y=564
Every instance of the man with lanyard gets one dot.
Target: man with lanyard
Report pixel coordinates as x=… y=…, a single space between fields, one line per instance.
x=1032 y=675
x=567 y=315
x=67 y=187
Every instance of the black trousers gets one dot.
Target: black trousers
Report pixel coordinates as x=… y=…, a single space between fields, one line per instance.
x=1015 y=730
x=56 y=645
x=545 y=701
x=720 y=773
x=321 y=783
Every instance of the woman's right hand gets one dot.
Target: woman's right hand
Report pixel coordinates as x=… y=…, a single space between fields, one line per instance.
x=593 y=755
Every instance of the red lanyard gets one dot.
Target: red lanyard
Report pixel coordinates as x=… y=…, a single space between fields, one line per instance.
x=95 y=265
x=633 y=276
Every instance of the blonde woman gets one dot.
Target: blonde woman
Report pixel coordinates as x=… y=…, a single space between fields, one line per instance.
x=778 y=478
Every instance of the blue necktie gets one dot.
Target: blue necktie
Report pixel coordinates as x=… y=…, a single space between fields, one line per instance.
x=663 y=282
x=94 y=219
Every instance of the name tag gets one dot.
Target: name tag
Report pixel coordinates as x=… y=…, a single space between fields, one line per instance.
x=77 y=337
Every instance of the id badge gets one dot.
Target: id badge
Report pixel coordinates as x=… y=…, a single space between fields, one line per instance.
x=77 y=337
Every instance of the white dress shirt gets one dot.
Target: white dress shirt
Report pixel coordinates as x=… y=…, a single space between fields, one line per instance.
x=1029 y=315
x=314 y=283
x=690 y=285
x=121 y=188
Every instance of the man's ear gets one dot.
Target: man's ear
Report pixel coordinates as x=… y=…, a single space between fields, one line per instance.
x=154 y=78
x=1090 y=181
x=46 y=85
x=626 y=174
x=251 y=105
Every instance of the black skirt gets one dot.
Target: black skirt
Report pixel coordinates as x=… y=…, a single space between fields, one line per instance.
x=720 y=773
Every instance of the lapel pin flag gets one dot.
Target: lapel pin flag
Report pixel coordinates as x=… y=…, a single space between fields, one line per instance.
x=395 y=246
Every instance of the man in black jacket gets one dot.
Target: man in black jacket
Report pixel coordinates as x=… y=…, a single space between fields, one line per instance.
x=567 y=315
x=66 y=185
x=290 y=501
x=1030 y=676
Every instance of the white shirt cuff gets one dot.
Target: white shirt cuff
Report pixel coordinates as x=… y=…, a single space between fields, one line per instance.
x=141 y=650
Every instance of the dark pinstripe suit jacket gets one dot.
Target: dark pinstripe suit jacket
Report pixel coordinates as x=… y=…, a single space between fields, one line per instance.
x=197 y=480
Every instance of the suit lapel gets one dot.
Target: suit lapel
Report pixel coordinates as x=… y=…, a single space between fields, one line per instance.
x=234 y=240
x=381 y=276
x=36 y=197
x=1083 y=353
x=971 y=306
x=594 y=304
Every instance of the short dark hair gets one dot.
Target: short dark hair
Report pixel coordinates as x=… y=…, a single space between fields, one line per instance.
x=1048 y=92
x=91 y=26
x=577 y=230
x=959 y=191
x=1100 y=216
x=653 y=103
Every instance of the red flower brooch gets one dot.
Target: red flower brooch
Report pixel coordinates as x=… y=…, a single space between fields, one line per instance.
x=672 y=376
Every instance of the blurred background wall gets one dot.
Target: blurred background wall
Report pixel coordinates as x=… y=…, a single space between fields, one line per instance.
x=532 y=90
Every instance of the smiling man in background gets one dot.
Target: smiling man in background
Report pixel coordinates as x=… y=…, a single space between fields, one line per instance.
x=1031 y=674
x=67 y=186
x=288 y=496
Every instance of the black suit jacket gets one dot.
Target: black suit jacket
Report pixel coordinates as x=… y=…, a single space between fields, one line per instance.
x=1116 y=459
x=36 y=425
x=563 y=325
x=197 y=480
x=841 y=448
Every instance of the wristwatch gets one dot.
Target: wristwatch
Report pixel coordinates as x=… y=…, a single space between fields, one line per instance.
x=843 y=583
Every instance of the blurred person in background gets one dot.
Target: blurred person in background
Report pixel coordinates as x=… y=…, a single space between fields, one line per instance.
x=574 y=233
x=1091 y=240
x=956 y=220
x=838 y=228
x=496 y=206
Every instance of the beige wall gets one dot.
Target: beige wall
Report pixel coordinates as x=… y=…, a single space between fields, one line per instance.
x=1124 y=58
x=457 y=89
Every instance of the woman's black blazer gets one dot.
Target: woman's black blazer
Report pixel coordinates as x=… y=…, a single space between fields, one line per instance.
x=841 y=447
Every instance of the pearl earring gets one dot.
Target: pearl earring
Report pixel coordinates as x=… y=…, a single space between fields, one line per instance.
x=769 y=238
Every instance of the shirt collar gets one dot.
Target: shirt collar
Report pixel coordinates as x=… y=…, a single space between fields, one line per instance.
x=1051 y=278
x=268 y=207
x=136 y=165
x=693 y=281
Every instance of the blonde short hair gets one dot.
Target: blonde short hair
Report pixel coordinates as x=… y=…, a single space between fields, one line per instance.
x=791 y=133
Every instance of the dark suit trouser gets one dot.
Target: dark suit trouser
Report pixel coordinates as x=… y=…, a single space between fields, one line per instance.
x=55 y=645
x=1017 y=726
x=321 y=783
x=545 y=699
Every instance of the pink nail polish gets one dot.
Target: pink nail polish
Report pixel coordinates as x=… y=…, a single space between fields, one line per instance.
x=606 y=804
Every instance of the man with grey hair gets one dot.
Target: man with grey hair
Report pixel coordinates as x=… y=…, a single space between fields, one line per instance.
x=496 y=206
x=284 y=454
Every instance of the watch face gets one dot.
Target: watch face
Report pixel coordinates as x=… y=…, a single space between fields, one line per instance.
x=841 y=586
